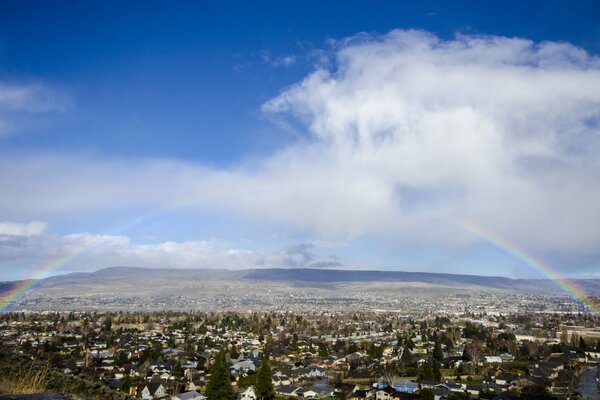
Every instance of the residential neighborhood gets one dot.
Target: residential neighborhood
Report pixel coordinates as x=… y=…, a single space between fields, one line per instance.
x=325 y=355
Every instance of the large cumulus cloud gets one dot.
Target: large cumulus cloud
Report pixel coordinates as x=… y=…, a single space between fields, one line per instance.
x=497 y=130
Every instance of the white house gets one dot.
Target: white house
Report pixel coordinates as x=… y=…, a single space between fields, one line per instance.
x=279 y=380
x=188 y=396
x=492 y=359
x=243 y=366
x=153 y=390
x=249 y=394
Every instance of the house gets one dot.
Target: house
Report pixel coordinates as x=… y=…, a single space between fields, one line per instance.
x=428 y=384
x=315 y=372
x=248 y=394
x=382 y=384
x=360 y=395
x=386 y=393
x=492 y=359
x=312 y=394
x=405 y=386
x=452 y=386
x=243 y=366
x=194 y=384
x=153 y=390
x=440 y=394
x=505 y=379
x=319 y=389
x=289 y=390
x=160 y=368
x=491 y=387
x=542 y=371
x=280 y=380
x=188 y=396
x=342 y=390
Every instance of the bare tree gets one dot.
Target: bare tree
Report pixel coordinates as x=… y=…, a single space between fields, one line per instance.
x=473 y=352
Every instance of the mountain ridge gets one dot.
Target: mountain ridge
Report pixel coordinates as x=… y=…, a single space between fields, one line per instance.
x=140 y=282
x=313 y=275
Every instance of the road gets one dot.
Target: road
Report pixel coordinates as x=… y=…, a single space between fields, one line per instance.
x=587 y=384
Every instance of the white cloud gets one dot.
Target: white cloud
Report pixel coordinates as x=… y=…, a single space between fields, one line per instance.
x=278 y=61
x=403 y=130
x=28 y=99
x=31 y=98
x=19 y=229
x=502 y=131
x=19 y=248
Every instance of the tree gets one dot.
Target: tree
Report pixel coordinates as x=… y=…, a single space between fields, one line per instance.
x=107 y=325
x=121 y=358
x=438 y=353
x=177 y=371
x=506 y=336
x=406 y=356
x=426 y=394
x=294 y=345
x=437 y=374
x=458 y=396
x=323 y=353
x=264 y=385
x=536 y=389
x=473 y=352
x=219 y=384
x=426 y=373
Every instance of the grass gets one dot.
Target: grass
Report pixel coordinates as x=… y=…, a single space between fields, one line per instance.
x=21 y=375
x=29 y=381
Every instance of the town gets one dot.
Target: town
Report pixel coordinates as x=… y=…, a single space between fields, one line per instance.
x=252 y=355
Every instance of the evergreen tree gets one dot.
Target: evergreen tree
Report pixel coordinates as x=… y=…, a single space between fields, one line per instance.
x=457 y=373
x=437 y=374
x=219 y=384
x=294 y=345
x=400 y=341
x=177 y=371
x=448 y=342
x=323 y=353
x=406 y=356
x=426 y=373
x=438 y=353
x=264 y=385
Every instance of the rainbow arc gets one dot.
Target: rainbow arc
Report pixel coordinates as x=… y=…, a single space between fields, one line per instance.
x=567 y=285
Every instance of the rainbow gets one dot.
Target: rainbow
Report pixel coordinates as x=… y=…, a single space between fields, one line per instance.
x=566 y=284
x=69 y=255
x=541 y=267
x=23 y=286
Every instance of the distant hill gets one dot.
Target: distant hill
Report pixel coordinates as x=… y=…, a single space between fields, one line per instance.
x=7 y=287
x=307 y=276
x=133 y=287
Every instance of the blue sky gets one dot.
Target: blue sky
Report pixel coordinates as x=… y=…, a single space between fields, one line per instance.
x=204 y=133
